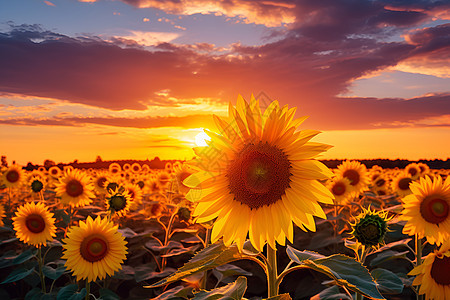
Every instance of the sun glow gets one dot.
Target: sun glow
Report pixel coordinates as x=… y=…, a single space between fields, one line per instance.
x=201 y=138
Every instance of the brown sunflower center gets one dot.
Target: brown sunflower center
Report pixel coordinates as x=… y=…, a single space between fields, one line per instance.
x=338 y=189
x=259 y=175
x=101 y=182
x=434 y=210
x=12 y=176
x=74 y=188
x=114 y=170
x=135 y=168
x=35 y=223
x=412 y=171
x=403 y=183
x=422 y=169
x=118 y=202
x=352 y=175
x=94 y=248
x=37 y=186
x=380 y=182
x=54 y=172
x=439 y=270
x=370 y=231
x=141 y=184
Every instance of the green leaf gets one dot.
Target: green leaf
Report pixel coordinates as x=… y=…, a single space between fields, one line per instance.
x=387 y=281
x=208 y=258
x=388 y=255
x=17 y=274
x=180 y=291
x=69 y=292
x=175 y=252
x=392 y=245
x=346 y=271
x=53 y=273
x=9 y=258
x=331 y=293
x=280 y=297
x=107 y=294
x=227 y=270
x=232 y=291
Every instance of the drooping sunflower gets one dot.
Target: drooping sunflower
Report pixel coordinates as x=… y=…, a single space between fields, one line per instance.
x=258 y=176
x=340 y=188
x=357 y=173
x=75 y=189
x=94 y=249
x=370 y=227
x=34 y=224
x=433 y=274
x=118 y=201
x=413 y=169
x=426 y=210
x=424 y=168
x=400 y=184
x=13 y=176
x=135 y=195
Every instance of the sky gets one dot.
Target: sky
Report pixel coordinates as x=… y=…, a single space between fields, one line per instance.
x=135 y=79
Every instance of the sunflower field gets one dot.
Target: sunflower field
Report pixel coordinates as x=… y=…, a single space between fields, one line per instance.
x=255 y=215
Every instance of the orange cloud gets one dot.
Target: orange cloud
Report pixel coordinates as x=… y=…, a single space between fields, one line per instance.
x=49 y=3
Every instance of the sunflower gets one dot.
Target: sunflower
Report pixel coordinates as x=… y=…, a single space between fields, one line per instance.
x=426 y=210
x=94 y=249
x=135 y=193
x=164 y=179
x=2 y=214
x=34 y=224
x=340 y=188
x=424 y=168
x=401 y=183
x=370 y=227
x=114 y=168
x=126 y=167
x=181 y=173
x=36 y=184
x=380 y=183
x=13 y=176
x=433 y=275
x=258 y=176
x=413 y=169
x=356 y=173
x=75 y=189
x=119 y=201
x=99 y=181
x=136 y=168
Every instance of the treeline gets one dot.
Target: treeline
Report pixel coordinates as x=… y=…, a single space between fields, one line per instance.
x=391 y=164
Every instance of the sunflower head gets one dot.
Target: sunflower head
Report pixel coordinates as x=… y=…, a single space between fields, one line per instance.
x=119 y=201
x=75 y=188
x=356 y=173
x=13 y=176
x=34 y=224
x=340 y=188
x=370 y=227
x=413 y=169
x=36 y=185
x=184 y=214
x=2 y=214
x=427 y=209
x=94 y=249
x=258 y=175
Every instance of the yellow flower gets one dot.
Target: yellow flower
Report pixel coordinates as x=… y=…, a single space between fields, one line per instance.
x=135 y=193
x=426 y=210
x=75 y=189
x=258 y=176
x=401 y=183
x=357 y=173
x=99 y=180
x=119 y=201
x=34 y=224
x=135 y=168
x=2 y=214
x=13 y=176
x=94 y=249
x=413 y=169
x=424 y=168
x=433 y=274
x=114 y=168
x=54 y=171
x=370 y=227
x=340 y=188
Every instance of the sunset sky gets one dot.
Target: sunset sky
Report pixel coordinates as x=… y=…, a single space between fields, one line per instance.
x=134 y=79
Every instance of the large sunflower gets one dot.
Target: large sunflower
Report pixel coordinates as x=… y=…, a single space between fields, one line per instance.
x=13 y=176
x=357 y=173
x=94 y=249
x=34 y=224
x=426 y=210
x=258 y=176
x=433 y=275
x=75 y=189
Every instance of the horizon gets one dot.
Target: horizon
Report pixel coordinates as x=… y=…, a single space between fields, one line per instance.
x=143 y=78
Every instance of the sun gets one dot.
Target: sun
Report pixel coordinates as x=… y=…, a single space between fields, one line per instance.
x=201 y=138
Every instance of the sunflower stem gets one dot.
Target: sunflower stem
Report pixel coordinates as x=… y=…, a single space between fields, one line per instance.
x=272 y=282
x=207 y=242
x=166 y=238
x=88 y=289
x=419 y=247
x=41 y=273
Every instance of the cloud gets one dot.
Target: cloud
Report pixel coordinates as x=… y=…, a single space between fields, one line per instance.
x=145 y=38
x=49 y=3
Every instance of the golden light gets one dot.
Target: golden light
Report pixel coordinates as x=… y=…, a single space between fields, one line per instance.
x=201 y=138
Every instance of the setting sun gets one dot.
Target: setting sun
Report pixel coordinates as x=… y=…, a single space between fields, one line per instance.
x=201 y=138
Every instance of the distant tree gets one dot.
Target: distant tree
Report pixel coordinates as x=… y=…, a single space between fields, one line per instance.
x=4 y=162
x=98 y=159
x=48 y=163
x=29 y=167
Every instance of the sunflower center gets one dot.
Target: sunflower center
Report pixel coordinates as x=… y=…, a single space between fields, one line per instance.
x=94 y=248
x=412 y=171
x=434 y=210
x=370 y=232
x=352 y=175
x=12 y=176
x=35 y=223
x=135 y=168
x=439 y=270
x=422 y=169
x=380 y=182
x=141 y=184
x=74 y=188
x=37 y=186
x=338 y=189
x=403 y=183
x=118 y=202
x=101 y=182
x=259 y=175
x=54 y=172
